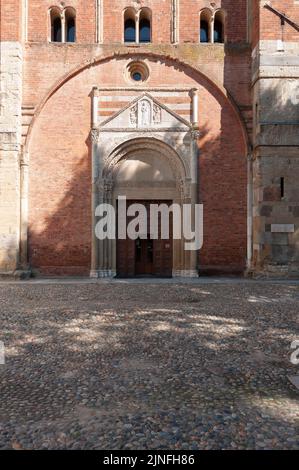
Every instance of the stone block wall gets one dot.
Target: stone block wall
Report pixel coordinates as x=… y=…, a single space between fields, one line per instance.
x=10 y=140
x=276 y=158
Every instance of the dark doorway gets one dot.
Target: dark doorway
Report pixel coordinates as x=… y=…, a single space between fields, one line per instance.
x=145 y=257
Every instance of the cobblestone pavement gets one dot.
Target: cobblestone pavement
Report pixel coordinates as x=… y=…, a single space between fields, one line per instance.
x=126 y=365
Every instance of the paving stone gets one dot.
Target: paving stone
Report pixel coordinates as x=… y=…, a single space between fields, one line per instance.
x=136 y=365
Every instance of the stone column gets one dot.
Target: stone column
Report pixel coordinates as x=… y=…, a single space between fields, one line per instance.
x=25 y=21
x=99 y=21
x=95 y=107
x=63 y=32
x=194 y=173
x=195 y=104
x=178 y=245
x=24 y=189
x=194 y=192
x=106 y=255
x=211 y=29
x=175 y=21
x=94 y=203
x=137 y=27
x=249 y=211
x=109 y=268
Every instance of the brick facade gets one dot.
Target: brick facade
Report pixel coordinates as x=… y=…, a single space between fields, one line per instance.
x=51 y=159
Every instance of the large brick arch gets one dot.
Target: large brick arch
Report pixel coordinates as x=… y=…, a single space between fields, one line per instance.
x=182 y=64
x=60 y=172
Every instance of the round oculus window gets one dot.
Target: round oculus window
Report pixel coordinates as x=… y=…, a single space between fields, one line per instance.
x=137 y=72
x=137 y=76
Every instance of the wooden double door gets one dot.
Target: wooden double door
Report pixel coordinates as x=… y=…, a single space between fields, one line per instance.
x=145 y=256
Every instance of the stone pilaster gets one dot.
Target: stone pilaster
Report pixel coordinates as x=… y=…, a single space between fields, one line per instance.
x=275 y=159
x=10 y=149
x=94 y=137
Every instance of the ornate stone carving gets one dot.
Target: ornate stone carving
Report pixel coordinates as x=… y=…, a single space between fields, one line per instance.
x=105 y=187
x=195 y=134
x=156 y=114
x=94 y=135
x=144 y=113
x=156 y=147
x=134 y=115
x=182 y=188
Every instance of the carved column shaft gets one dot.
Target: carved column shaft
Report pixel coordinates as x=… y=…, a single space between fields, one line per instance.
x=105 y=265
x=193 y=260
x=63 y=31
x=99 y=21
x=175 y=21
x=24 y=173
x=249 y=210
x=95 y=107
x=195 y=103
x=94 y=203
x=25 y=20
x=212 y=30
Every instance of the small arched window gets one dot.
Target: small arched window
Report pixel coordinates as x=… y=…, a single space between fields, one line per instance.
x=145 y=26
x=129 y=26
x=219 y=27
x=204 y=31
x=70 y=25
x=205 y=25
x=56 y=27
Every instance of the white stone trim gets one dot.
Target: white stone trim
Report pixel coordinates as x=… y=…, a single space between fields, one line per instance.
x=139 y=89
x=282 y=228
x=95 y=108
x=25 y=20
x=175 y=7
x=152 y=99
x=99 y=21
x=160 y=94
x=195 y=104
x=185 y=273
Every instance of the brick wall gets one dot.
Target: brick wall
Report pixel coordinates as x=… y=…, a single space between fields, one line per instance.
x=235 y=24
x=113 y=19
x=270 y=24
x=60 y=222
x=39 y=24
x=10 y=24
x=236 y=21
x=59 y=190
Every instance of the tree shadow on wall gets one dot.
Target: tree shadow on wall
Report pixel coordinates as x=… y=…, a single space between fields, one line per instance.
x=63 y=237
x=61 y=245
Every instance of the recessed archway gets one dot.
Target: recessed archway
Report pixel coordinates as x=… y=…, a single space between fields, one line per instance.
x=143 y=170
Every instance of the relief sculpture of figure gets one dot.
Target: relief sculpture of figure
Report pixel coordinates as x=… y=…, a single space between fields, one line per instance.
x=156 y=114
x=145 y=113
x=133 y=115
